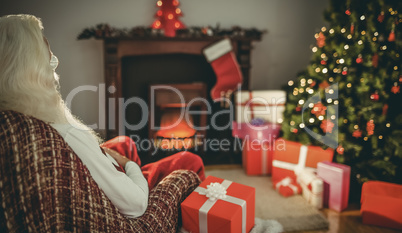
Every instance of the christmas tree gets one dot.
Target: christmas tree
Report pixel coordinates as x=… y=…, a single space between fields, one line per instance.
x=349 y=97
x=167 y=17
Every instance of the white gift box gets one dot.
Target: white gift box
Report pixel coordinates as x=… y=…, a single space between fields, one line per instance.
x=267 y=105
x=312 y=187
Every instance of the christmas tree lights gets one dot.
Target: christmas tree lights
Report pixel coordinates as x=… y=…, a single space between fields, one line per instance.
x=356 y=57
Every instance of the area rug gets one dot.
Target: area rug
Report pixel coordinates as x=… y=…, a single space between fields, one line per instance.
x=293 y=213
x=261 y=226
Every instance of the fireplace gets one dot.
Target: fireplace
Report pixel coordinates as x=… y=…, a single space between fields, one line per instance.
x=133 y=66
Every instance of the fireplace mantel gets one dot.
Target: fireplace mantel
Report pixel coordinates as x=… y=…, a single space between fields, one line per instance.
x=117 y=48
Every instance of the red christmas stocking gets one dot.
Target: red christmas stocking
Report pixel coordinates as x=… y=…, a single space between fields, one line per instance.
x=227 y=70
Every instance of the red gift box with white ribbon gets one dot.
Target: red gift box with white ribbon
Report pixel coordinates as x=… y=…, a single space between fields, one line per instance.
x=287 y=187
x=257 y=146
x=219 y=205
x=293 y=157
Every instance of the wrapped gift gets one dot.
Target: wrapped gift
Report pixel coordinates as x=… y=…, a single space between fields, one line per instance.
x=268 y=105
x=257 y=157
x=312 y=187
x=287 y=187
x=381 y=204
x=257 y=146
x=293 y=157
x=336 y=179
x=219 y=205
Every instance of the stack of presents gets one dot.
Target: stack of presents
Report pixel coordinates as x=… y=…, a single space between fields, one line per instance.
x=219 y=205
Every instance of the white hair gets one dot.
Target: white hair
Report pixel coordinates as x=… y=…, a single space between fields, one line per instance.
x=28 y=84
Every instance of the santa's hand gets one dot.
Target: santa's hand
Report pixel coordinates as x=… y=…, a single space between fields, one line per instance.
x=120 y=159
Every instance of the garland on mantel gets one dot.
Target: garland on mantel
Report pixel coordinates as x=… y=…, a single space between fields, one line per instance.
x=103 y=31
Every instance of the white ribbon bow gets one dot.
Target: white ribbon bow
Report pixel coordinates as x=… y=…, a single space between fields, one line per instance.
x=286 y=182
x=214 y=191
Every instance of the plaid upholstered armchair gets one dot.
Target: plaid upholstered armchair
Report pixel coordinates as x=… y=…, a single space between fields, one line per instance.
x=44 y=187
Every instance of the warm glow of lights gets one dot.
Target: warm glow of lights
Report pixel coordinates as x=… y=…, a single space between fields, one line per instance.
x=177 y=25
x=349 y=36
x=331 y=31
x=343 y=30
x=314 y=49
x=178 y=11
x=363 y=33
x=331 y=79
x=290 y=83
x=329 y=100
x=336 y=102
x=157 y=23
x=331 y=91
x=321 y=118
x=159 y=3
x=360 y=42
x=301 y=102
x=324 y=71
x=362 y=17
x=292 y=123
x=301 y=125
x=175 y=3
x=333 y=117
x=159 y=13
x=170 y=16
x=349 y=85
x=346 y=47
x=388 y=125
x=311 y=120
x=311 y=105
x=380 y=137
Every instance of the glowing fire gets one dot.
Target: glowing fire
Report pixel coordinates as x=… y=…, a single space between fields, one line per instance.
x=176 y=131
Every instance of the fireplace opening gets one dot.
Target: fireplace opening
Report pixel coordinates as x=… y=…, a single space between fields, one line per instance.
x=171 y=105
x=140 y=72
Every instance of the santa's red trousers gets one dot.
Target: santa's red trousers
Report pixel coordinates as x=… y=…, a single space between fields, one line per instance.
x=155 y=172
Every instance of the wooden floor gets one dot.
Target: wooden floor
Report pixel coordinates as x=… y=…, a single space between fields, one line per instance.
x=349 y=221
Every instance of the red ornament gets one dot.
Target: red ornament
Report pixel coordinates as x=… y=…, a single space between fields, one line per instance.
x=313 y=84
x=321 y=40
x=327 y=126
x=323 y=62
x=347 y=12
x=370 y=127
x=381 y=17
x=345 y=72
x=385 y=109
x=294 y=130
x=357 y=133
x=374 y=60
x=391 y=36
x=298 y=109
x=400 y=78
x=318 y=109
x=167 y=17
x=340 y=150
x=395 y=89
x=352 y=28
x=323 y=85
x=359 y=60
x=375 y=96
